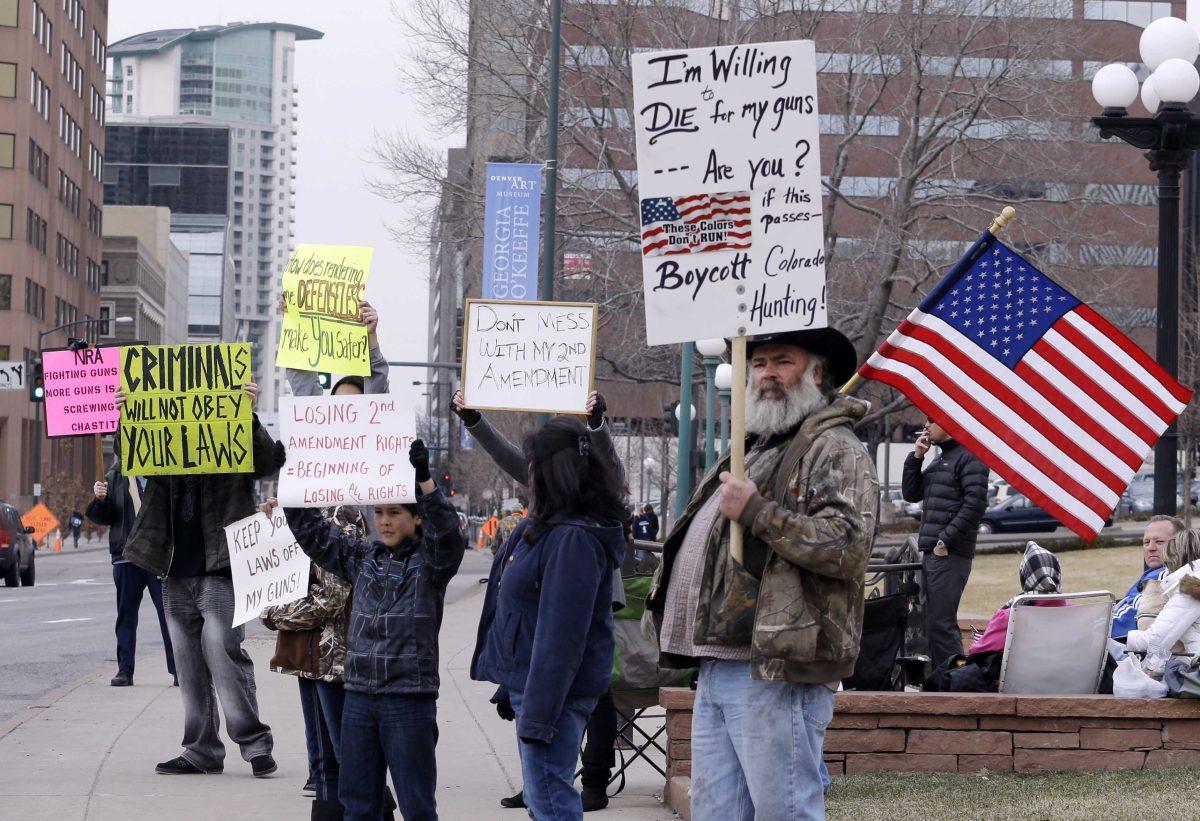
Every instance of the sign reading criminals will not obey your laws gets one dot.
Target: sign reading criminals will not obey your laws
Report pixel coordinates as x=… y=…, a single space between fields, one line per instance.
x=267 y=565
x=729 y=175
x=346 y=450
x=529 y=356
x=185 y=410
x=322 y=325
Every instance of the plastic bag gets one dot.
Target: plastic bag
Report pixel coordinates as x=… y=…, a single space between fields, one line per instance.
x=1130 y=682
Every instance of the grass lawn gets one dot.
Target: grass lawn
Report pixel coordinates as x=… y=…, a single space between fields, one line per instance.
x=1135 y=794
x=994 y=578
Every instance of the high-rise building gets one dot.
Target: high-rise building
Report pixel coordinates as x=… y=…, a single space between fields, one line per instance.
x=52 y=58
x=241 y=75
x=184 y=168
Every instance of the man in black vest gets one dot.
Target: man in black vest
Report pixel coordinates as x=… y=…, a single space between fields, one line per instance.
x=953 y=496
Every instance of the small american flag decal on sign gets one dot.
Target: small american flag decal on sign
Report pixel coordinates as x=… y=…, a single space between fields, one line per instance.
x=695 y=224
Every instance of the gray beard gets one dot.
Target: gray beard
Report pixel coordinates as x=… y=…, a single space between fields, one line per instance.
x=769 y=416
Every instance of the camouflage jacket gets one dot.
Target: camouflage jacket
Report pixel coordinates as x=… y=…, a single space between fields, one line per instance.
x=327 y=606
x=797 y=598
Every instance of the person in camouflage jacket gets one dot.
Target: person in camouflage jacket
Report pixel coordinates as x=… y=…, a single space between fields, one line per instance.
x=775 y=634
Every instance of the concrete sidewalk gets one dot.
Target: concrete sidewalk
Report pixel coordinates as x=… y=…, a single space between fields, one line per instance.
x=88 y=751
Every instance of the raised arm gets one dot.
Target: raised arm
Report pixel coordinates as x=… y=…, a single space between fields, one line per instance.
x=377 y=382
x=442 y=542
x=507 y=456
x=324 y=542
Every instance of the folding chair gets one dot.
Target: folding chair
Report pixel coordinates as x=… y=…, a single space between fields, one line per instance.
x=1056 y=650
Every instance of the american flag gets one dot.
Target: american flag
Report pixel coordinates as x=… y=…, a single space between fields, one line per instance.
x=1032 y=381
x=699 y=223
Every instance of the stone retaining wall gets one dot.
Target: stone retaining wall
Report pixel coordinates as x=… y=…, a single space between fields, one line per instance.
x=970 y=732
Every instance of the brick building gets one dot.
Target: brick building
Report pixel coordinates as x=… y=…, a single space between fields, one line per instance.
x=52 y=55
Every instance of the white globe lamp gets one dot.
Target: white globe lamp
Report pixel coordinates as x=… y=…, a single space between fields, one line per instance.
x=693 y=407
x=724 y=377
x=1168 y=38
x=1176 y=81
x=1150 y=97
x=711 y=347
x=1115 y=86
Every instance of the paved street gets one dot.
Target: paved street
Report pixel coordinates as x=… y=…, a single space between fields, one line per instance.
x=62 y=628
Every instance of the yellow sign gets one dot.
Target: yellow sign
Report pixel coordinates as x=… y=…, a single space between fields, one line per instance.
x=42 y=520
x=322 y=326
x=185 y=410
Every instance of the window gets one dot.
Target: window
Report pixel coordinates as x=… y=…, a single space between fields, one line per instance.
x=96 y=162
x=39 y=95
x=71 y=69
x=8 y=13
x=67 y=255
x=35 y=230
x=93 y=275
x=8 y=79
x=99 y=49
x=106 y=311
x=35 y=299
x=39 y=164
x=95 y=219
x=68 y=193
x=8 y=150
x=6 y=218
x=128 y=71
x=43 y=29
x=5 y=292
x=69 y=131
x=96 y=105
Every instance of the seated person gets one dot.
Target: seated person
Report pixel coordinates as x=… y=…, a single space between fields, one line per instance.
x=1159 y=531
x=1179 y=620
x=1040 y=572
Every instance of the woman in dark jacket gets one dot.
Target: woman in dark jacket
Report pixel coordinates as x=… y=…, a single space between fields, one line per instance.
x=546 y=633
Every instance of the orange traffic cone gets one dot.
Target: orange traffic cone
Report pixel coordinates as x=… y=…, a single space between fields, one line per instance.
x=57 y=541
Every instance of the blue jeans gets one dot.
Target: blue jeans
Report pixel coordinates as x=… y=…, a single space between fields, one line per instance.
x=757 y=746
x=132 y=582
x=548 y=769
x=388 y=732
x=322 y=702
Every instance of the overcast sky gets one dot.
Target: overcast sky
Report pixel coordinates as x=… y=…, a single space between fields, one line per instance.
x=349 y=90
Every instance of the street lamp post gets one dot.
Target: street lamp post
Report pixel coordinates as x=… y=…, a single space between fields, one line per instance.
x=1169 y=47
x=724 y=381
x=683 y=467
x=711 y=350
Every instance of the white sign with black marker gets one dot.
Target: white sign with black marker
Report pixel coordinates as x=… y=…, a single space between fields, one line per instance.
x=729 y=175
x=267 y=565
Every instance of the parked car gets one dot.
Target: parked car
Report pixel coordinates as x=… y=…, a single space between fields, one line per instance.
x=1018 y=514
x=913 y=509
x=894 y=498
x=16 y=548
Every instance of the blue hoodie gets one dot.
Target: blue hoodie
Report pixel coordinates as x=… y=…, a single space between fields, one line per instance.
x=547 y=627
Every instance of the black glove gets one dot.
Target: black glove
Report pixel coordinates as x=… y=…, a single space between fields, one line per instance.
x=505 y=710
x=418 y=457
x=469 y=417
x=596 y=417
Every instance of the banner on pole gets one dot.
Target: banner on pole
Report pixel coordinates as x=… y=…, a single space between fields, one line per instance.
x=12 y=376
x=346 y=450
x=185 y=411
x=529 y=356
x=80 y=386
x=322 y=327
x=729 y=175
x=267 y=565
x=511 y=227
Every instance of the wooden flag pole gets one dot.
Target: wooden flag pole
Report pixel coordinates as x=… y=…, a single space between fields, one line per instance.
x=1007 y=215
x=737 y=434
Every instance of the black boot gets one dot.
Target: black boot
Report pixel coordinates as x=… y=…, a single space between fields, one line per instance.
x=327 y=810
x=516 y=802
x=594 y=798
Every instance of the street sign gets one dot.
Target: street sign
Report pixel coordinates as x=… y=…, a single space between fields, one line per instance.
x=41 y=519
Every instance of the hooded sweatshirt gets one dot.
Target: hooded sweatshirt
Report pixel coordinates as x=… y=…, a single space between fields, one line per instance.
x=547 y=627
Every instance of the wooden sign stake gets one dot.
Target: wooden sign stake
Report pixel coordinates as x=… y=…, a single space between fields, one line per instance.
x=737 y=434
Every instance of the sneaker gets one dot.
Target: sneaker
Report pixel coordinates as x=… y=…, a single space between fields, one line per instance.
x=309 y=788
x=122 y=679
x=176 y=681
x=181 y=766
x=516 y=802
x=263 y=765
x=594 y=798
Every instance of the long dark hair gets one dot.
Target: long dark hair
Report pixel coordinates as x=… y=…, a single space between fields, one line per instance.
x=569 y=479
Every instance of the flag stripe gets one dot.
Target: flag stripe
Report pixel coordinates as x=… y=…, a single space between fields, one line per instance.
x=1044 y=357
x=1133 y=367
x=1156 y=371
x=1120 y=383
x=1062 y=435
x=1069 y=420
x=1017 y=434
x=1085 y=523
x=661 y=226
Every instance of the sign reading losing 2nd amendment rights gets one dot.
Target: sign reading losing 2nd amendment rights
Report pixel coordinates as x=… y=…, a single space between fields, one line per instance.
x=185 y=410
x=529 y=356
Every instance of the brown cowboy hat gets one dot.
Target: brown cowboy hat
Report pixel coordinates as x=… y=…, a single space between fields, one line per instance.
x=839 y=353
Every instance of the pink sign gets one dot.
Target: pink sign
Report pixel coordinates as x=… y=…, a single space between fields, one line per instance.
x=79 y=391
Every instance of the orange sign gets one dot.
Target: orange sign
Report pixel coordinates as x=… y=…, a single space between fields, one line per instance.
x=42 y=520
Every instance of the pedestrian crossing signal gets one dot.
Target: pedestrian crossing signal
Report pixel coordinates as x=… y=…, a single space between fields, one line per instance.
x=37 y=385
x=324 y=380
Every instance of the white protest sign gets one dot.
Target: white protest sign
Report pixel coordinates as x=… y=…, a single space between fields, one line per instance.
x=268 y=567
x=12 y=376
x=528 y=356
x=729 y=176
x=346 y=450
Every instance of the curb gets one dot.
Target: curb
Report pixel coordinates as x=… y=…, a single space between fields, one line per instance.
x=43 y=552
x=48 y=700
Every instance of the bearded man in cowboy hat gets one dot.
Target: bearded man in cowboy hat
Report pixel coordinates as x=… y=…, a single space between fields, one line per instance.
x=774 y=635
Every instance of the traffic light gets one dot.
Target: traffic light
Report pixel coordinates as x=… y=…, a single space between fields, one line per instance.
x=448 y=485
x=37 y=385
x=670 y=423
x=324 y=380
